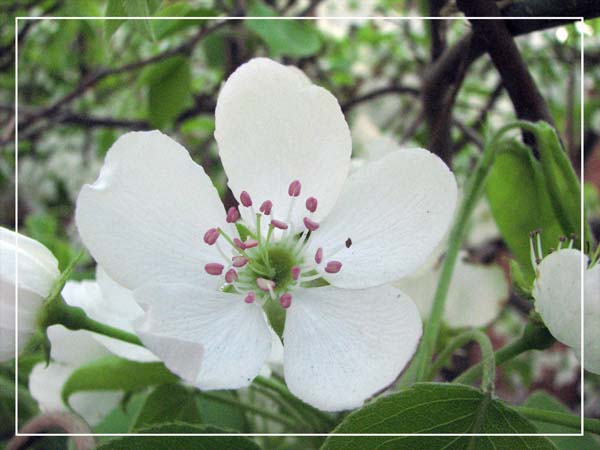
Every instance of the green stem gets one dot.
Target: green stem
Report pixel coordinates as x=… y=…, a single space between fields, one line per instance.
x=285 y=406
x=250 y=408
x=534 y=338
x=487 y=351
x=57 y=311
x=474 y=187
x=275 y=385
x=557 y=418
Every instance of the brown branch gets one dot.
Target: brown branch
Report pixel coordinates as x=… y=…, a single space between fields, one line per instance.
x=500 y=45
x=395 y=89
x=52 y=421
x=98 y=76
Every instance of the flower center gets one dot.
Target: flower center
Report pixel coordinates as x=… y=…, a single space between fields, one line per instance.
x=269 y=265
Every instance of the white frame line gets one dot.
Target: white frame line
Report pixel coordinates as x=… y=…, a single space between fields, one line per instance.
x=390 y=18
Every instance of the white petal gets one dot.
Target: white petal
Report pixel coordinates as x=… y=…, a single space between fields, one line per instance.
x=395 y=211
x=45 y=385
x=557 y=293
x=272 y=127
x=343 y=346
x=74 y=348
x=145 y=216
x=476 y=295
x=36 y=273
x=592 y=319
x=38 y=268
x=108 y=302
x=211 y=339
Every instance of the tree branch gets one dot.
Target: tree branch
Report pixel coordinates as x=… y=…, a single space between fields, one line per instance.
x=395 y=89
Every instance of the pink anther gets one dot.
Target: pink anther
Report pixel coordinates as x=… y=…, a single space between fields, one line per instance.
x=311 y=224
x=231 y=276
x=333 y=266
x=294 y=189
x=245 y=199
x=266 y=207
x=265 y=285
x=311 y=204
x=279 y=224
x=239 y=261
x=250 y=243
x=239 y=244
x=250 y=297
x=233 y=215
x=319 y=255
x=214 y=268
x=295 y=273
x=285 y=300
x=211 y=236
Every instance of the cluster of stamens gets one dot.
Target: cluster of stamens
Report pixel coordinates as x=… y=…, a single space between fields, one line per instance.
x=268 y=267
x=535 y=246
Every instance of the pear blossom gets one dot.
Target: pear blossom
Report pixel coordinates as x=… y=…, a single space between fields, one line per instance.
x=34 y=269
x=307 y=242
x=109 y=303
x=476 y=295
x=70 y=350
x=557 y=292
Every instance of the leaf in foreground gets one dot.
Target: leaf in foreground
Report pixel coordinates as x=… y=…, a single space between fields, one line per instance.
x=436 y=408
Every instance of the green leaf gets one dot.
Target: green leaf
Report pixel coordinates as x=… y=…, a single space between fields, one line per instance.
x=543 y=400
x=218 y=413
x=166 y=404
x=181 y=442
x=295 y=38
x=121 y=419
x=132 y=8
x=519 y=201
x=166 y=28
x=436 y=408
x=561 y=181
x=169 y=90
x=115 y=374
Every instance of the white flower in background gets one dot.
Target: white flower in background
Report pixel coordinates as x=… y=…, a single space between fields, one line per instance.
x=36 y=273
x=70 y=349
x=476 y=295
x=557 y=294
x=109 y=303
x=336 y=17
x=155 y=223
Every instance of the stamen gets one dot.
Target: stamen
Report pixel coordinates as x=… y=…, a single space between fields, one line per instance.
x=311 y=224
x=266 y=207
x=311 y=204
x=294 y=189
x=532 y=255
x=265 y=285
x=231 y=276
x=239 y=244
x=285 y=300
x=250 y=243
x=296 y=273
x=319 y=255
x=279 y=224
x=214 y=268
x=250 y=297
x=245 y=199
x=539 y=245
x=333 y=267
x=233 y=215
x=239 y=261
x=211 y=236
x=561 y=240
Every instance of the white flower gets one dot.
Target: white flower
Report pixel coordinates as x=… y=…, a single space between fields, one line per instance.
x=109 y=303
x=476 y=295
x=70 y=349
x=152 y=220
x=36 y=273
x=557 y=294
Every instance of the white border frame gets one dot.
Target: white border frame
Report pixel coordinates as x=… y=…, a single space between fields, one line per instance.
x=389 y=18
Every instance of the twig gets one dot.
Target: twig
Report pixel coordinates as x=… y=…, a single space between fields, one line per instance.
x=395 y=89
